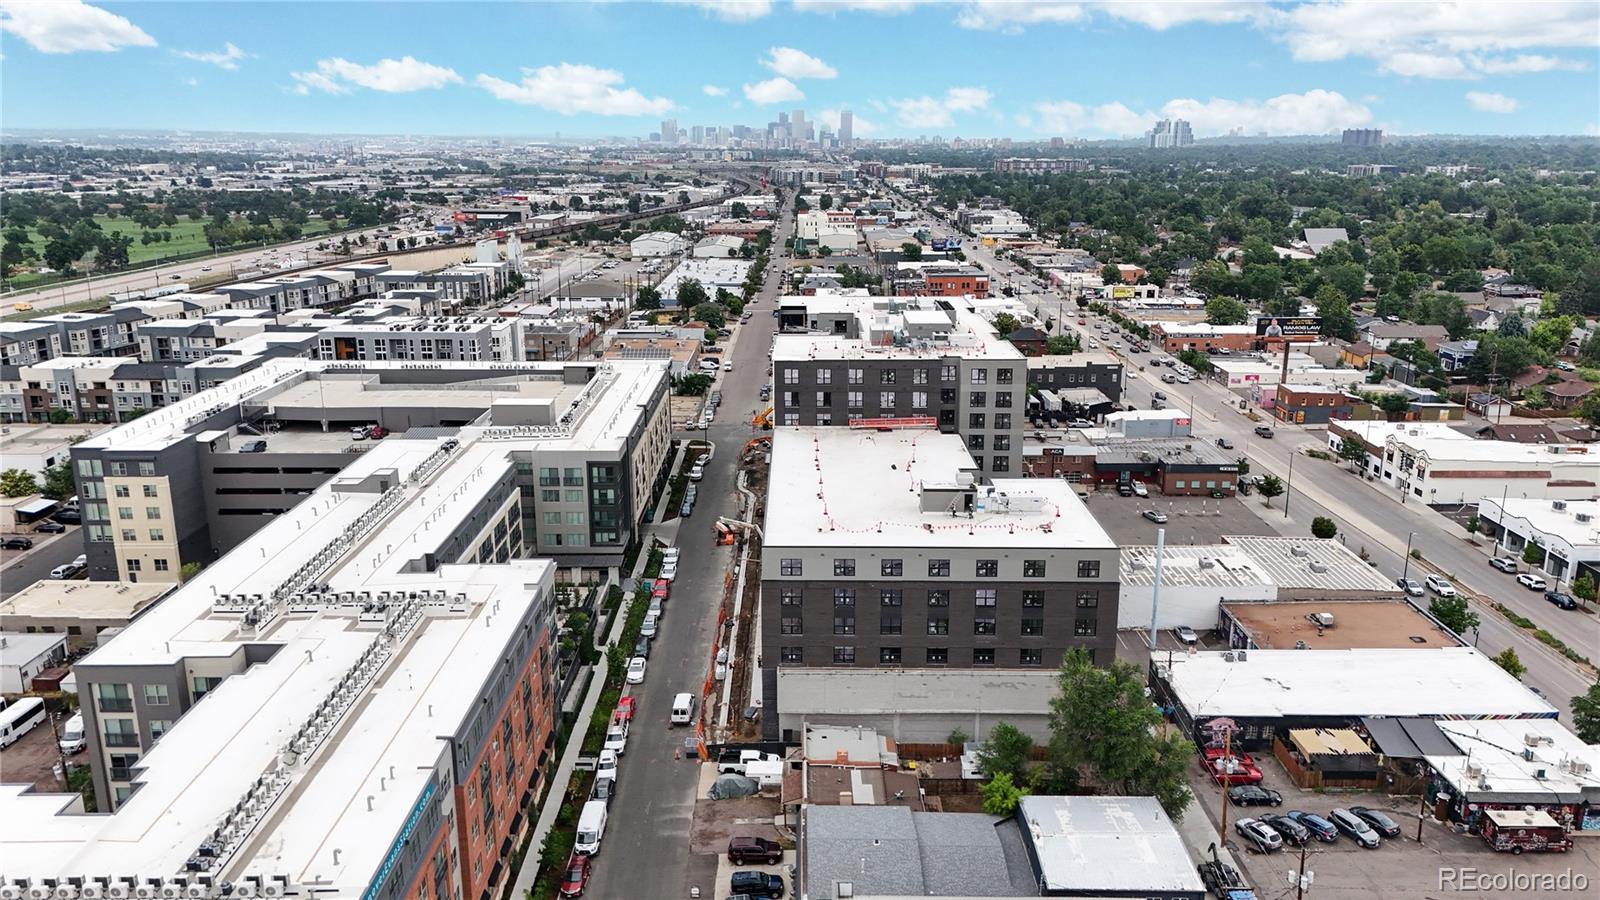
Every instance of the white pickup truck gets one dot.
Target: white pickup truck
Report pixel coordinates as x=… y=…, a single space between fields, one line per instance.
x=735 y=761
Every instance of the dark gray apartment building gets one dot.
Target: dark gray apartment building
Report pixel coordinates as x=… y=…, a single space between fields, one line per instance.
x=1096 y=371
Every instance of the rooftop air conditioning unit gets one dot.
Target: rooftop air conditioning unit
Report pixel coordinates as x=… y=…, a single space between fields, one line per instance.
x=1558 y=505
x=1584 y=517
x=1323 y=619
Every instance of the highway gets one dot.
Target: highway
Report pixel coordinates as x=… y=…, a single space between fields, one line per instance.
x=1369 y=514
x=648 y=833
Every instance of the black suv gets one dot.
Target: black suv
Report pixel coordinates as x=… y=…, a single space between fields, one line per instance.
x=1292 y=831
x=756 y=884
x=742 y=851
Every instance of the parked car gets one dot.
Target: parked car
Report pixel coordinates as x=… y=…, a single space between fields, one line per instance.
x=1531 y=581
x=648 y=629
x=1264 y=431
x=1259 y=835
x=1411 y=586
x=1440 y=586
x=1565 y=601
x=1253 y=795
x=607 y=766
x=360 y=433
x=1354 y=827
x=17 y=543
x=617 y=736
x=625 y=708
x=744 y=851
x=1505 y=564
x=1124 y=489
x=256 y=446
x=1079 y=423
x=733 y=762
x=1379 y=820
x=576 y=877
x=66 y=571
x=641 y=647
x=1160 y=518
x=1224 y=443
x=1159 y=395
x=1187 y=635
x=697 y=473
x=1319 y=827
x=1293 y=832
x=68 y=517
x=49 y=528
x=1183 y=379
x=756 y=884
x=604 y=789
x=661 y=589
x=636 y=670
x=1139 y=490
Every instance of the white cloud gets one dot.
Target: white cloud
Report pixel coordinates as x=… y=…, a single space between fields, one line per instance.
x=68 y=26
x=732 y=10
x=1163 y=14
x=792 y=63
x=859 y=127
x=570 y=89
x=1011 y=16
x=712 y=90
x=939 y=112
x=1524 y=63
x=228 y=58
x=1313 y=112
x=391 y=76
x=881 y=7
x=1441 y=39
x=1484 y=101
x=773 y=90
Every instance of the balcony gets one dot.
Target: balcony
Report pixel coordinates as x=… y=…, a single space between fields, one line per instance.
x=120 y=773
x=121 y=739
x=116 y=704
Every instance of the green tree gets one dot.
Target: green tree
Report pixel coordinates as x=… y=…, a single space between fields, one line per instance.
x=59 y=416
x=1061 y=344
x=1352 y=451
x=693 y=384
x=1270 y=486
x=1226 y=311
x=1551 y=334
x=1002 y=796
x=18 y=483
x=58 y=482
x=1583 y=587
x=1005 y=323
x=1586 y=715
x=1110 y=274
x=691 y=293
x=1507 y=659
x=1455 y=613
x=187 y=571
x=1324 y=527
x=1104 y=729
x=1337 y=319
x=911 y=251
x=1533 y=554
x=711 y=314
x=647 y=297
x=1005 y=752
x=739 y=211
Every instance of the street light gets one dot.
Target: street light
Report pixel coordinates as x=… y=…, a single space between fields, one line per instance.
x=1406 y=568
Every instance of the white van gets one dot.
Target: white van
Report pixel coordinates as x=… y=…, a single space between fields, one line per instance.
x=19 y=718
x=591 y=828
x=72 y=735
x=683 y=709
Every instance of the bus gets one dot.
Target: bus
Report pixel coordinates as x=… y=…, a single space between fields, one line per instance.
x=19 y=718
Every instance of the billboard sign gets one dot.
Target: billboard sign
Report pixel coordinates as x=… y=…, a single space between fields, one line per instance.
x=1288 y=326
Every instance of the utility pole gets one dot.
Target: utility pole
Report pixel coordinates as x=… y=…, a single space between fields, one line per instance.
x=1303 y=879
x=1422 y=813
x=1288 y=491
x=1227 y=756
x=1405 y=568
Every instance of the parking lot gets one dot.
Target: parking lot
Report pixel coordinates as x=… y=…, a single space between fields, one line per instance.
x=1440 y=866
x=31 y=760
x=1190 y=520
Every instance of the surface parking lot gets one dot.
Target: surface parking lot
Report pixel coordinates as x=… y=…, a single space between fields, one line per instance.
x=1190 y=520
x=1445 y=864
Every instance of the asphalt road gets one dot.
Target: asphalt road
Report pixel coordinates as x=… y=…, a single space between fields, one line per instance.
x=648 y=831
x=20 y=568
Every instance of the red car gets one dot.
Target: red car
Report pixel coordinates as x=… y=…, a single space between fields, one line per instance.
x=576 y=877
x=1232 y=770
x=661 y=588
x=625 y=709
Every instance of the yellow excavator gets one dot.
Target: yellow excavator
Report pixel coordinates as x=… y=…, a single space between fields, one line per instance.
x=763 y=419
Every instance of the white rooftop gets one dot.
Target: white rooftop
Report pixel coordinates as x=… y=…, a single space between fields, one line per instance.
x=1495 y=761
x=831 y=485
x=1577 y=521
x=1446 y=682
x=1105 y=844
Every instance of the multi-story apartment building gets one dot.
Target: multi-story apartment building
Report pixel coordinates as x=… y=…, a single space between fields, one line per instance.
x=1085 y=369
x=187 y=484
x=425 y=338
x=886 y=554
x=468 y=282
x=843 y=359
x=1040 y=166
x=358 y=701
x=109 y=333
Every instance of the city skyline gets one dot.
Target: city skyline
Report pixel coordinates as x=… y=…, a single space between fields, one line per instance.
x=1244 y=68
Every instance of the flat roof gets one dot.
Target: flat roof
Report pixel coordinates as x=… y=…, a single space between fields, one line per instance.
x=53 y=598
x=1357 y=623
x=831 y=486
x=24 y=647
x=1441 y=682
x=1543 y=517
x=1499 y=752
x=1123 y=844
x=1245 y=560
x=901 y=327
x=21 y=437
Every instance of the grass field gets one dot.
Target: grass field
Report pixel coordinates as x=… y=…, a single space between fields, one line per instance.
x=187 y=237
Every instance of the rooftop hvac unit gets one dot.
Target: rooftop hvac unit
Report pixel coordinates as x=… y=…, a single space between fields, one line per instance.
x=271 y=890
x=1540 y=774
x=1527 y=754
x=1584 y=517
x=117 y=891
x=1579 y=767
x=1319 y=567
x=66 y=892
x=92 y=892
x=1298 y=550
x=1558 y=505
x=10 y=892
x=1532 y=739
x=1207 y=562
x=1242 y=655
x=1474 y=770
x=40 y=892
x=145 y=892
x=1322 y=619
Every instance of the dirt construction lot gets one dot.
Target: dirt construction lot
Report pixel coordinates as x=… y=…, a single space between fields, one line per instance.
x=1444 y=865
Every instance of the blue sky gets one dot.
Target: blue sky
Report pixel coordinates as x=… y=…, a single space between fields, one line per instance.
x=905 y=67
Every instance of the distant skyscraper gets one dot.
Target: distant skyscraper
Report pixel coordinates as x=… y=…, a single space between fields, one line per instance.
x=669 y=131
x=697 y=136
x=1362 y=137
x=1171 y=133
x=847 y=128
x=798 y=129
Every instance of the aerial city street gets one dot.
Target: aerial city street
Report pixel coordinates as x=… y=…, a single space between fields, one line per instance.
x=720 y=449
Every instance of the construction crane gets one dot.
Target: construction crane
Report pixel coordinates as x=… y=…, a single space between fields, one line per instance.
x=763 y=419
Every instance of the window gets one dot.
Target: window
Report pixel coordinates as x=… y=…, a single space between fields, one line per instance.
x=161 y=563
x=1084 y=627
x=791 y=419
x=128 y=534
x=886 y=400
x=980 y=376
x=824 y=376
x=1088 y=568
x=791 y=398
x=983 y=615
x=889 y=656
x=159 y=727
x=157 y=534
x=122 y=490
x=790 y=596
x=947 y=373
x=844 y=567
x=1030 y=657
x=853 y=399
x=147 y=469
x=577 y=496
x=892 y=568
x=977 y=399
x=150 y=491
x=986 y=597
x=790 y=567
x=792 y=625
x=886 y=376
x=1005 y=376
x=1032 y=627
x=919 y=376
x=791 y=375
x=135 y=565
x=975 y=441
x=844 y=656
x=824 y=398
x=550 y=496
x=938 y=568
x=988 y=568
x=854 y=376
x=121 y=733
x=575 y=518
x=1033 y=599
x=983 y=656
x=938 y=656
x=844 y=620
x=574 y=477
x=1000 y=464
x=791 y=656
x=119 y=468
x=938 y=623
x=889 y=619
x=1088 y=599
x=1033 y=568
x=125 y=512
x=156 y=695
x=844 y=596
x=549 y=476
x=919 y=399
x=1002 y=421
x=552 y=517
x=1002 y=400
x=1002 y=442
